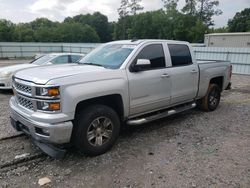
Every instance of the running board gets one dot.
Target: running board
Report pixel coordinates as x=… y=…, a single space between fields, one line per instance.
x=161 y=115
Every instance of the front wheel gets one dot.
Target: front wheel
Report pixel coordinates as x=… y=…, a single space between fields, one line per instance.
x=96 y=129
x=212 y=99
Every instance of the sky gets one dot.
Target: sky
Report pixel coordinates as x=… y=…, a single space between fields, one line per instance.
x=27 y=10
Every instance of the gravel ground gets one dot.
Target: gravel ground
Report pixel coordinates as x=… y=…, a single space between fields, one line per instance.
x=192 y=149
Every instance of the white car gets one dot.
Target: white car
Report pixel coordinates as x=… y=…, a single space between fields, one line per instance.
x=48 y=59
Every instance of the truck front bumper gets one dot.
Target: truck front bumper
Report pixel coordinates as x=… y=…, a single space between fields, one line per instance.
x=46 y=133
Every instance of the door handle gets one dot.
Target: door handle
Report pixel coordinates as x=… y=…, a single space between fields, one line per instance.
x=194 y=71
x=165 y=76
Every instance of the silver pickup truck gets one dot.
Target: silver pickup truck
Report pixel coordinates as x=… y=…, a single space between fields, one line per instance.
x=119 y=83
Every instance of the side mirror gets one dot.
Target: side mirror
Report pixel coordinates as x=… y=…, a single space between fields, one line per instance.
x=140 y=65
x=49 y=63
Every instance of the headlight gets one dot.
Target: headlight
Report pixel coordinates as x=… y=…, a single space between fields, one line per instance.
x=5 y=74
x=51 y=98
x=48 y=92
x=48 y=106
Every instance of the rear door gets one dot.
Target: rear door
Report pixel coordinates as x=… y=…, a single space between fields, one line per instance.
x=184 y=74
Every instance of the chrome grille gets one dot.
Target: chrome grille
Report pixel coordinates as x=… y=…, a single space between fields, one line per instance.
x=25 y=102
x=22 y=88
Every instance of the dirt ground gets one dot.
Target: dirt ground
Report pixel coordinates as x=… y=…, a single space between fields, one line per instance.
x=192 y=149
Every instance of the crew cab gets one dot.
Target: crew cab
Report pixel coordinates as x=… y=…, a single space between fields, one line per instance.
x=119 y=83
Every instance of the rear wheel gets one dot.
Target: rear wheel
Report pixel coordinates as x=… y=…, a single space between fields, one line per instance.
x=212 y=99
x=96 y=129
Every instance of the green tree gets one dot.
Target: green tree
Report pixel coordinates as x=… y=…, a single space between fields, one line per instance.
x=6 y=31
x=23 y=33
x=162 y=25
x=42 y=23
x=122 y=27
x=189 y=28
x=123 y=9
x=170 y=6
x=190 y=7
x=43 y=34
x=240 y=22
x=76 y=32
x=206 y=10
x=135 y=6
x=218 y=30
x=123 y=13
x=197 y=31
x=172 y=16
x=97 y=21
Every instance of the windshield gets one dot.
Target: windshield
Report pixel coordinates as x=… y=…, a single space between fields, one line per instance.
x=109 y=56
x=43 y=60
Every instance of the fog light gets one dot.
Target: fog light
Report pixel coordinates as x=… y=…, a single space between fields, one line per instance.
x=54 y=106
x=48 y=106
x=44 y=131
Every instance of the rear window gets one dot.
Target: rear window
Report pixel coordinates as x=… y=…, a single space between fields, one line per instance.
x=180 y=55
x=75 y=58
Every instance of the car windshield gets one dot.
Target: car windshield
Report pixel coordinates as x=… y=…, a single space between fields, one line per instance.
x=43 y=60
x=108 y=56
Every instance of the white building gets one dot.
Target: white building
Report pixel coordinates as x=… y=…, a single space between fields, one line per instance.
x=228 y=40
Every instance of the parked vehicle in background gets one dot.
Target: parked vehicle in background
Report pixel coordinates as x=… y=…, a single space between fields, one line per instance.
x=122 y=82
x=47 y=59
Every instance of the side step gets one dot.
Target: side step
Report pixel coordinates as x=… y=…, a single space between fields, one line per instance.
x=175 y=110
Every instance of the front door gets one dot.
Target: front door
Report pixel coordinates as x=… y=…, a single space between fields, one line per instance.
x=150 y=87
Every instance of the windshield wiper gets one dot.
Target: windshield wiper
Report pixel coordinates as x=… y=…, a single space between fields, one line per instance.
x=94 y=64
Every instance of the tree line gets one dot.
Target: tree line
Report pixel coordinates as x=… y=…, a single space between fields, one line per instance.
x=189 y=24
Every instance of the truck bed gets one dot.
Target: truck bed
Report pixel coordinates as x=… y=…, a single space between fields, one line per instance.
x=212 y=69
x=201 y=61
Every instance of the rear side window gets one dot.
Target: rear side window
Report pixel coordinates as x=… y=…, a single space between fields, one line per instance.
x=60 y=60
x=75 y=58
x=180 y=55
x=155 y=54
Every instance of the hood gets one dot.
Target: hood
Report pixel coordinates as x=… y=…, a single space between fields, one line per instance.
x=43 y=74
x=14 y=68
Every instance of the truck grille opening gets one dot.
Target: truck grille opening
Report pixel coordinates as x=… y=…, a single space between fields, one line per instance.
x=25 y=103
x=22 y=88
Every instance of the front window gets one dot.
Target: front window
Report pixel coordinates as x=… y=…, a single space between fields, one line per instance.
x=155 y=54
x=43 y=60
x=109 y=56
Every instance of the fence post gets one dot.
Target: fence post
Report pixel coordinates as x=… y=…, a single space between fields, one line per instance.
x=227 y=58
x=21 y=50
x=1 y=50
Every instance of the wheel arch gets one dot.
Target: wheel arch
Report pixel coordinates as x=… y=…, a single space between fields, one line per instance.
x=218 y=81
x=113 y=101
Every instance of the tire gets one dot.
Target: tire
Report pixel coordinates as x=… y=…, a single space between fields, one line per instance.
x=212 y=99
x=96 y=129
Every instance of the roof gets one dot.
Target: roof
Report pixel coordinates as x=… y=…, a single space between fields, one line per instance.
x=66 y=53
x=139 y=41
x=228 y=34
